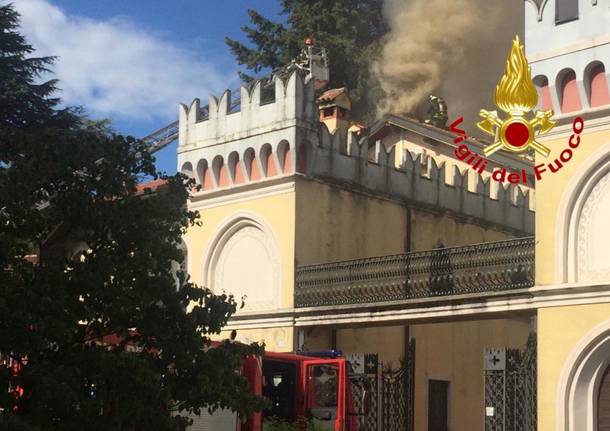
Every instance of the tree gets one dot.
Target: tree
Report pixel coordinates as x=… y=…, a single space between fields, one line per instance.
x=102 y=333
x=350 y=30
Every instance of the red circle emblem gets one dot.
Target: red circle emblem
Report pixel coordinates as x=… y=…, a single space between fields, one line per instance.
x=517 y=134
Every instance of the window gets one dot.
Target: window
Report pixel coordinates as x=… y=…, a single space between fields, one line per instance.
x=323 y=395
x=279 y=380
x=566 y=10
x=328 y=112
x=438 y=391
x=325 y=385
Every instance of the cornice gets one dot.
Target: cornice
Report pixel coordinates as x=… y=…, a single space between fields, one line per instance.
x=484 y=305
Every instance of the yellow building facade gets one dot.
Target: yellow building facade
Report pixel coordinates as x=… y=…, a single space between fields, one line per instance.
x=280 y=194
x=573 y=313
x=571 y=228
x=385 y=242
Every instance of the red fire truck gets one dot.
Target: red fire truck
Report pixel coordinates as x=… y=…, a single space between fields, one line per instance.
x=314 y=387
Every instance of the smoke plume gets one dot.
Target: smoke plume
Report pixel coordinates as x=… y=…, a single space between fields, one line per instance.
x=455 y=49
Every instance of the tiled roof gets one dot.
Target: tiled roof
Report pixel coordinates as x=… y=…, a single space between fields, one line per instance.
x=332 y=94
x=151 y=185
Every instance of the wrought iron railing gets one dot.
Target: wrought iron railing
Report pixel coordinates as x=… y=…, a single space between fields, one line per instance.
x=486 y=267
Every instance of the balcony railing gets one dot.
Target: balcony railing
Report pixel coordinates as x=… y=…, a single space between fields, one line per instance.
x=488 y=267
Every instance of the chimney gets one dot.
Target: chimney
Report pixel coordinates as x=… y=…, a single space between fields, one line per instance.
x=335 y=108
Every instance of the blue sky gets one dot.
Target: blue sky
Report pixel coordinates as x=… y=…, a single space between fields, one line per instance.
x=133 y=61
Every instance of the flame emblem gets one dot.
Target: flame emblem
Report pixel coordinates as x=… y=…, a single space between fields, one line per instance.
x=516 y=95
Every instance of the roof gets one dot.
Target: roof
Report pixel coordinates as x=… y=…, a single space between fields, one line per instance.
x=332 y=96
x=385 y=124
x=150 y=186
x=358 y=125
x=407 y=122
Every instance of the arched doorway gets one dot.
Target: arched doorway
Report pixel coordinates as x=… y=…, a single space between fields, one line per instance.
x=583 y=402
x=603 y=402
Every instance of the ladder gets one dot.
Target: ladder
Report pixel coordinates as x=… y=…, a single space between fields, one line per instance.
x=312 y=60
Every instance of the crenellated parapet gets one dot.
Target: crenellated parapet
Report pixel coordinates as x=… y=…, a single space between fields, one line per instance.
x=228 y=145
x=248 y=137
x=424 y=182
x=265 y=106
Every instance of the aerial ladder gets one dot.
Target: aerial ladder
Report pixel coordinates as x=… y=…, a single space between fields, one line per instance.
x=312 y=60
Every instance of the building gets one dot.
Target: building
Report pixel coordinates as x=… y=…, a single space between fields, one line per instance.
x=380 y=241
x=567 y=46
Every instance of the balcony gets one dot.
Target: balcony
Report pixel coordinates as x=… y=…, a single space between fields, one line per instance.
x=487 y=267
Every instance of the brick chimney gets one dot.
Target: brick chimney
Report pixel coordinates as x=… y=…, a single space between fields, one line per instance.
x=335 y=108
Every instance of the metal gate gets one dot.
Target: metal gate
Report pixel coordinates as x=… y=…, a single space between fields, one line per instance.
x=366 y=422
x=392 y=396
x=510 y=388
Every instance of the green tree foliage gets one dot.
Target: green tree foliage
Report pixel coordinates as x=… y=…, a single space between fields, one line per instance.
x=106 y=335
x=349 y=29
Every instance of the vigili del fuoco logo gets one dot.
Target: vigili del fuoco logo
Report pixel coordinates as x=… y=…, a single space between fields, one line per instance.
x=516 y=131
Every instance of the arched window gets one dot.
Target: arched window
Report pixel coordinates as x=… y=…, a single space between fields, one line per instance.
x=568 y=91
x=597 y=85
x=544 y=92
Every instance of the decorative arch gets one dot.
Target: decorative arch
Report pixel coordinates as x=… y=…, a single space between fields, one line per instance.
x=187 y=169
x=567 y=91
x=221 y=173
x=204 y=175
x=539 y=5
x=544 y=92
x=581 y=379
x=251 y=163
x=268 y=161
x=235 y=170
x=603 y=402
x=580 y=221
x=244 y=259
x=596 y=84
x=284 y=156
